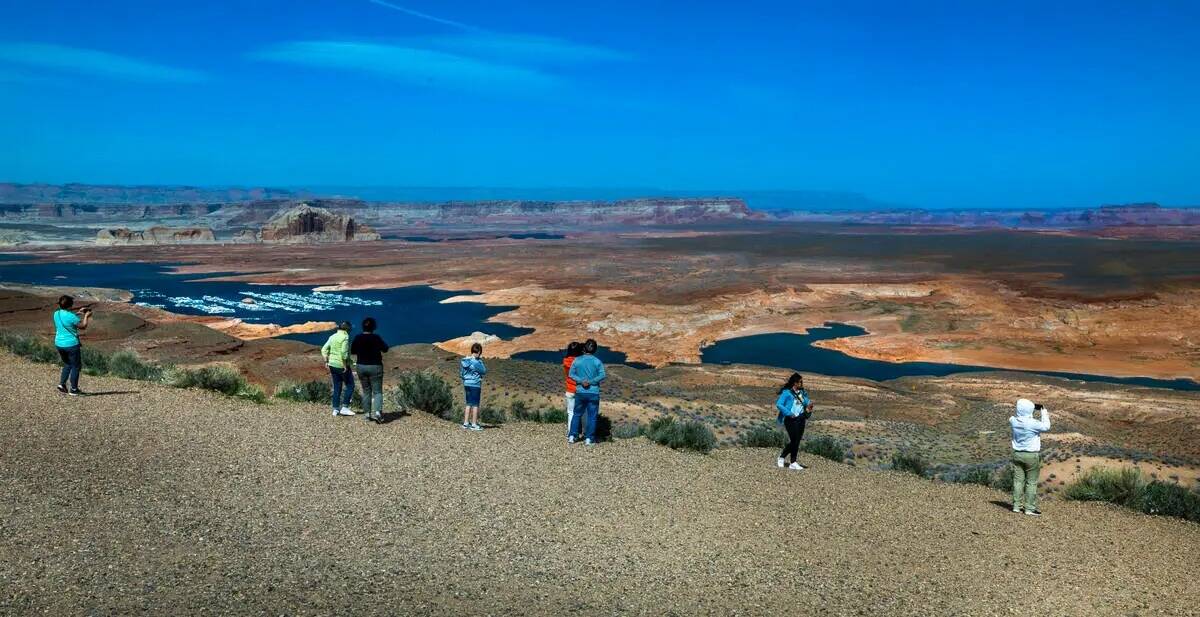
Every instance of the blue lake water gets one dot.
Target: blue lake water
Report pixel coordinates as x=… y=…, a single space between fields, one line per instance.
x=415 y=315
x=796 y=351
x=405 y=314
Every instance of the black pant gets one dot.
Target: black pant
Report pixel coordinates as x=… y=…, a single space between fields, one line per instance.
x=795 y=431
x=72 y=361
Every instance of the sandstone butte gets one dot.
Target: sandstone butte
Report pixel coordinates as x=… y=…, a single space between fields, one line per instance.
x=307 y=224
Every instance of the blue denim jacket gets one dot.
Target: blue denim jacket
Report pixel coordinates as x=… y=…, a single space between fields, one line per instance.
x=787 y=405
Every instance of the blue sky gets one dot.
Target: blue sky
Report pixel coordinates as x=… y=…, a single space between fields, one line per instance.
x=939 y=104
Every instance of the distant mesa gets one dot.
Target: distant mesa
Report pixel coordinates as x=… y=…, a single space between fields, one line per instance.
x=78 y=193
x=306 y=224
x=1103 y=217
x=301 y=224
x=122 y=236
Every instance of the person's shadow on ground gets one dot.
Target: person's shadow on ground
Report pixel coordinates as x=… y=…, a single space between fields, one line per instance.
x=1001 y=504
x=391 y=416
x=111 y=392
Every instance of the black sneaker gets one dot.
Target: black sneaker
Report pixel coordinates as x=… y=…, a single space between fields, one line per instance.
x=62 y=388
x=1033 y=512
x=75 y=392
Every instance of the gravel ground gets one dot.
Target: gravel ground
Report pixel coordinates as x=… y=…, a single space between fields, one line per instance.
x=153 y=500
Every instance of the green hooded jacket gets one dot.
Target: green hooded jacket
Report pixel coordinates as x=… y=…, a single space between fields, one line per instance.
x=336 y=350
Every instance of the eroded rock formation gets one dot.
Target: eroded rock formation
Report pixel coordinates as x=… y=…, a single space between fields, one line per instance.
x=122 y=236
x=305 y=224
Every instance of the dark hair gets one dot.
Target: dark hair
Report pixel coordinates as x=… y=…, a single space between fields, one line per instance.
x=369 y=324
x=574 y=349
x=792 y=381
x=345 y=325
x=589 y=346
x=65 y=302
x=476 y=348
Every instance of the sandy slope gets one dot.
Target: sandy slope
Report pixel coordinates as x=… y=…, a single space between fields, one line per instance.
x=149 y=499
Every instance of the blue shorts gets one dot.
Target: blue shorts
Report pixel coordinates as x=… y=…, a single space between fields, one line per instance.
x=473 y=394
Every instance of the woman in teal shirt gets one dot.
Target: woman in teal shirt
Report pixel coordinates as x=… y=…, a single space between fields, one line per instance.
x=66 y=338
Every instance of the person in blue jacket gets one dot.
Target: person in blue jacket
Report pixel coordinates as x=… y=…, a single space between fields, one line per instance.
x=472 y=370
x=588 y=373
x=794 y=409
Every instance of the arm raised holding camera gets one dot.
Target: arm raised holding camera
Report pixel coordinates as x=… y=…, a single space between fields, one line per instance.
x=1044 y=423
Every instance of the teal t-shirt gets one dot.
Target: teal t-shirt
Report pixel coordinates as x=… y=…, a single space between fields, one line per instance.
x=66 y=328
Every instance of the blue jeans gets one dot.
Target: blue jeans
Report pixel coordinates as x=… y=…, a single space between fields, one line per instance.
x=585 y=404
x=472 y=394
x=72 y=359
x=342 y=377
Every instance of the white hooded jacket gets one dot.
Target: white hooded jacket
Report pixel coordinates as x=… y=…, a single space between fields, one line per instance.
x=1026 y=432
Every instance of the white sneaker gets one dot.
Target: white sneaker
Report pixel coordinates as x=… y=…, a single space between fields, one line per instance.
x=346 y=411
x=571 y=439
x=466 y=427
x=335 y=413
x=588 y=442
x=781 y=463
x=476 y=427
x=796 y=467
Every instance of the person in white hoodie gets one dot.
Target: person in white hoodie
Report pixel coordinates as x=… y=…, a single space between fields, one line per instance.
x=1026 y=456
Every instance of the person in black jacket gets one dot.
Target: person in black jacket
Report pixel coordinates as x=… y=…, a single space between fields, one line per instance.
x=369 y=348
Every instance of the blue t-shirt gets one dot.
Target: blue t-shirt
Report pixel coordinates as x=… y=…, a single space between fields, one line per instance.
x=66 y=328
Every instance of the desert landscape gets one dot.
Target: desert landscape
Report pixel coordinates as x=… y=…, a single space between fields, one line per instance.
x=403 y=307
x=1030 y=303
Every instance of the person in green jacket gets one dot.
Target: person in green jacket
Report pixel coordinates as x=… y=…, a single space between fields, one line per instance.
x=336 y=352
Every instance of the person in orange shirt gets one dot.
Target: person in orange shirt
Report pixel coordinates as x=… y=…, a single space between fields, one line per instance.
x=573 y=351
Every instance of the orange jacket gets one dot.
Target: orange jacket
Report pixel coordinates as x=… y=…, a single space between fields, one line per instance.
x=567 y=361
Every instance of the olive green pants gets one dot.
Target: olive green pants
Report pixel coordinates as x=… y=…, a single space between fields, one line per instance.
x=1025 y=466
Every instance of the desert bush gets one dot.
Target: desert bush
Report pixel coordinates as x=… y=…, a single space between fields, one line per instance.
x=126 y=364
x=253 y=393
x=95 y=362
x=1004 y=478
x=626 y=430
x=763 y=436
x=825 y=447
x=553 y=415
x=492 y=415
x=424 y=391
x=315 y=391
x=29 y=347
x=979 y=474
x=1168 y=499
x=216 y=378
x=910 y=462
x=1119 y=486
x=521 y=411
x=681 y=435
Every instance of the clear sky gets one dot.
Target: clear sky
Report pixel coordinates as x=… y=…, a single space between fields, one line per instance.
x=941 y=104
